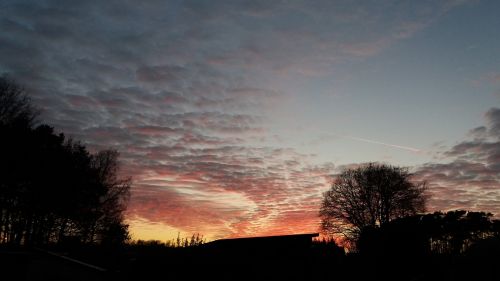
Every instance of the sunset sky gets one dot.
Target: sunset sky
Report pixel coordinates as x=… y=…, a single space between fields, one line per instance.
x=231 y=117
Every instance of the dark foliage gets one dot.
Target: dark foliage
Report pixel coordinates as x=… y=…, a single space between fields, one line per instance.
x=52 y=189
x=456 y=245
x=451 y=233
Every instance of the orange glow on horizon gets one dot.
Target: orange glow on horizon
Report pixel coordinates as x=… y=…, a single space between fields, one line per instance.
x=141 y=229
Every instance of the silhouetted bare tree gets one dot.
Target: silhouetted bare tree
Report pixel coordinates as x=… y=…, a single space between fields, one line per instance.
x=15 y=105
x=109 y=224
x=370 y=195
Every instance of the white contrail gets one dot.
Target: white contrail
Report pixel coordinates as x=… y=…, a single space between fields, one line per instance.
x=412 y=149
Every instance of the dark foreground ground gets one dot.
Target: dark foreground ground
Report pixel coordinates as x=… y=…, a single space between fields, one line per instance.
x=24 y=264
x=149 y=263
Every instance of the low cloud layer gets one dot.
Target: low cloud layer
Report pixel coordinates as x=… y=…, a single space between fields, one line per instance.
x=471 y=178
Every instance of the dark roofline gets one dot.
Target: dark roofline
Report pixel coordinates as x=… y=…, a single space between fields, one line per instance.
x=304 y=235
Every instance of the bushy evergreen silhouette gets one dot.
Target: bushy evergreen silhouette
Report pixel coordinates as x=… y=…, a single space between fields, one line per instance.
x=52 y=189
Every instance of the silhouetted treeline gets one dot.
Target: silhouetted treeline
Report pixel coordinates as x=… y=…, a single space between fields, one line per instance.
x=52 y=189
x=179 y=242
x=456 y=245
x=450 y=233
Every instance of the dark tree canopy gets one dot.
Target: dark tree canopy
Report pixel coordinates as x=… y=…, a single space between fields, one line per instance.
x=370 y=195
x=15 y=105
x=453 y=232
x=52 y=189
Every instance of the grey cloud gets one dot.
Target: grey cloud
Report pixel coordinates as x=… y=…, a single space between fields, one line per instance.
x=165 y=73
x=103 y=47
x=479 y=132
x=493 y=117
x=473 y=174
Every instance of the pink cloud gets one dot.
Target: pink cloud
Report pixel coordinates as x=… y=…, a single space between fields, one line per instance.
x=271 y=189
